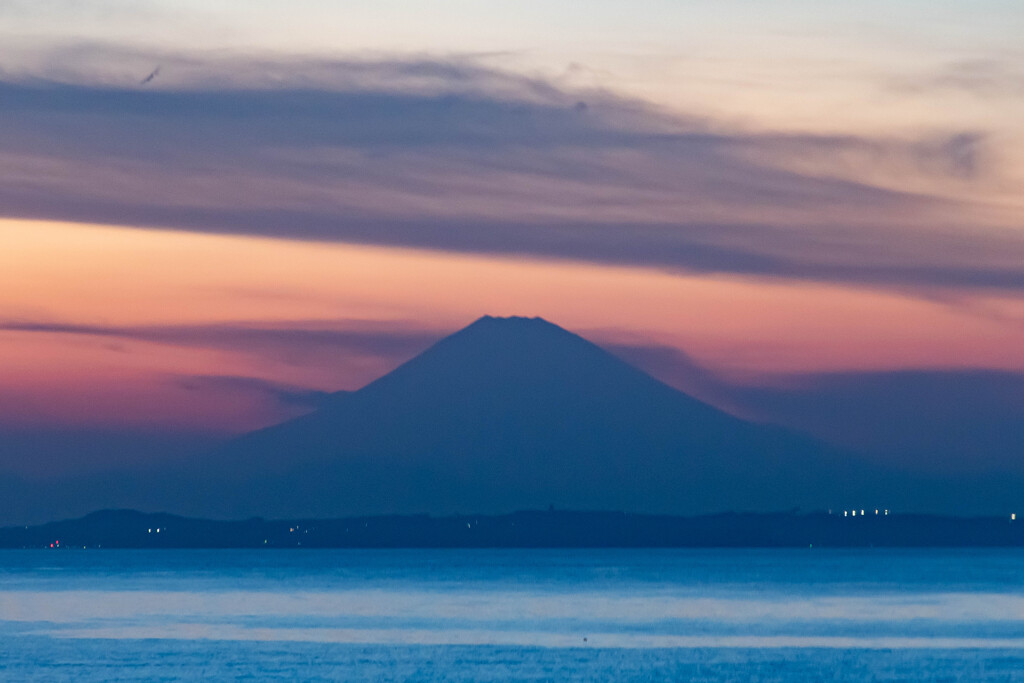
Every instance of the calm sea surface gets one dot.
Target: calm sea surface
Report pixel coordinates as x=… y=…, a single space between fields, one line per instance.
x=455 y=615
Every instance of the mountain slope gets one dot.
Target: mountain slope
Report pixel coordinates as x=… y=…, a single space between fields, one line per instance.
x=514 y=413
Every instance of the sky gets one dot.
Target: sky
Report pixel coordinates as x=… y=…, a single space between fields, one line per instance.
x=214 y=213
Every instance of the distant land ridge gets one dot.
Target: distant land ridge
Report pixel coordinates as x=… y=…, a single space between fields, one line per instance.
x=524 y=529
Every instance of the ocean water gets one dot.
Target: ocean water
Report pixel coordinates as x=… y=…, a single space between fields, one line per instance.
x=527 y=615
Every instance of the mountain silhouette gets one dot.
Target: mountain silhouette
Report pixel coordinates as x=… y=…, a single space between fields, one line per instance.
x=517 y=413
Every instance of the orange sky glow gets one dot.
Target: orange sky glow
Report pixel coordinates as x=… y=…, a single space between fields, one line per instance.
x=111 y=277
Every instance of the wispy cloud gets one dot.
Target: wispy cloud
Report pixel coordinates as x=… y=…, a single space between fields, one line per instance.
x=282 y=393
x=983 y=77
x=449 y=155
x=393 y=341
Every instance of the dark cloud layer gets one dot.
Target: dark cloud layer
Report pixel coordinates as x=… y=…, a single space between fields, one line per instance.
x=939 y=422
x=455 y=157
